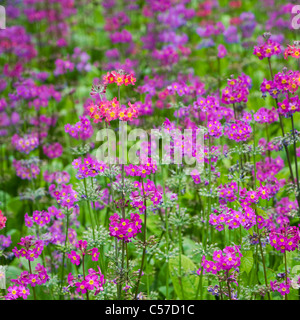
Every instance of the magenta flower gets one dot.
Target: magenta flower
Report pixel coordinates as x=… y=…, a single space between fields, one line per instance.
x=74 y=257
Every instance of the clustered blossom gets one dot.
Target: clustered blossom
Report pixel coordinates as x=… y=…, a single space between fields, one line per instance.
x=125 y=229
x=37 y=95
x=53 y=150
x=214 y=129
x=223 y=260
x=264 y=115
x=15 y=292
x=81 y=59
x=81 y=130
x=284 y=83
x=31 y=248
x=82 y=247
x=233 y=218
x=2 y=220
x=94 y=280
x=64 y=195
x=23 y=280
x=62 y=67
x=289 y=105
x=293 y=51
x=285 y=206
x=111 y=110
x=238 y=131
x=88 y=167
x=26 y=170
x=119 y=78
x=5 y=242
x=58 y=177
x=41 y=218
x=283 y=288
x=237 y=90
x=285 y=238
x=222 y=52
x=26 y=143
x=245 y=216
x=267 y=50
x=267 y=169
x=141 y=170
x=148 y=191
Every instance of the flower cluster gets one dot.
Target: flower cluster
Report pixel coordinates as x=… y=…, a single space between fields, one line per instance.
x=149 y=191
x=32 y=248
x=264 y=115
x=119 y=77
x=58 y=176
x=284 y=82
x=24 y=279
x=111 y=110
x=62 y=67
x=237 y=90
x=26 y=170
x=15 y=292
x=293 y=51
x=64 y=195
x=41 y=218
x=88 y=167
x=53 y=150
x=141 y=170
x=267 y=50
x=81 y=130
x=285 y=238
x=26 y=143
x=5 y=242
x=289 y=106
x=125 y=229
x=267 y=169
x=2 y=220
x=94 y=280
x=226 y=259
x=233 y=219
x=238 y=131
x=283 y=288
x=214 y=129
x=82 y=247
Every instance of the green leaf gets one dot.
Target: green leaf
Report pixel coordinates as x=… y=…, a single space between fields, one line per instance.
x=262 y=213
x=13 y=272
x=247 y=261
x=189 y=281
x=34 y=263
x=261 y=276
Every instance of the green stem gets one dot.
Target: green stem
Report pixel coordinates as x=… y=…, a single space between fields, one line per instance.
x=33 y=288
x=87 y=292
x=166 y=235
x=89 y=208
x=144 y=248
x=63 y=261
x=286 y=281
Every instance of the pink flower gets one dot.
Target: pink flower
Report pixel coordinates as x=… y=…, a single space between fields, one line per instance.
x=81 y=286
x=2 y=220
x=74 y=257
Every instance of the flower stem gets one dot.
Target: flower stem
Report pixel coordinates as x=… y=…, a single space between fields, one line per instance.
x=87 y=293
x=144 y=245
x=33 y=288
x=286 y=281
x=63 y=261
